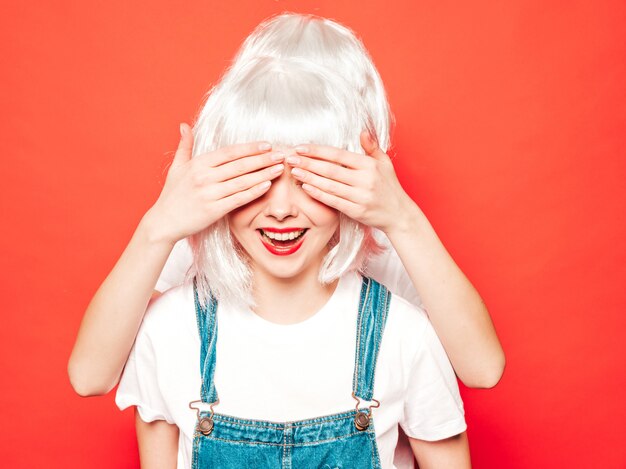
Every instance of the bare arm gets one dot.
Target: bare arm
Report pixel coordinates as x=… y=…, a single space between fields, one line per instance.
x=113 y=317
x=454 y=307
x=197 y=192
x=158 y=443
x=451 y=453
x=368 y=190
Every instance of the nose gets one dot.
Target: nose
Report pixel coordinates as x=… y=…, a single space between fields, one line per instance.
x=281 y=198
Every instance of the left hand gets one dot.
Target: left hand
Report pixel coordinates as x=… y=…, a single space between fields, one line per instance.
x=364 y=187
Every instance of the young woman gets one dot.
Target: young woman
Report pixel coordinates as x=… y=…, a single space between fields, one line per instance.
x=431 y=278
x=313 y=364
x=200 y=191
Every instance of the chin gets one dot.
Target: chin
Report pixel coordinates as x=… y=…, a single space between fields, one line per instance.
x=285 y=268
x=285 y=272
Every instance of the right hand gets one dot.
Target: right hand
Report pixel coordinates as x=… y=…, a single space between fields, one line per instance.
x=199 y=191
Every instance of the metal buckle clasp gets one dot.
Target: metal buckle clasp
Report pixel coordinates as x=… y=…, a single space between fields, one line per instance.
x=205 y=424
x=362 y=419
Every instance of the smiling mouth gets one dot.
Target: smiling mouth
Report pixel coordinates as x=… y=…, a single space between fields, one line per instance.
x=283 y=239
x=282 y=243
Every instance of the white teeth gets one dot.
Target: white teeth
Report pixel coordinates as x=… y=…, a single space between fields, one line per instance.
x=282 y=236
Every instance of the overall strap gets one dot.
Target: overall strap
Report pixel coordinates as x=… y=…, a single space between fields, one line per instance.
x=206 y=317
x=372 y=316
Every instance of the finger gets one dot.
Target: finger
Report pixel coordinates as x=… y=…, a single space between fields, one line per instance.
x=185 y=145
x=230 y=203
x=244 y=165
x=324 y=168
x=234 y=152
x=370 y=145
x=343 y=205
x=327 y=185
x=247 y=181
x=334 y=154
x=368 y=142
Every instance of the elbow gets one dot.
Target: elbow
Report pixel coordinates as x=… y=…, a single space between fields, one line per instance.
x=488 y=377
x=488 y=381
x=83 y=384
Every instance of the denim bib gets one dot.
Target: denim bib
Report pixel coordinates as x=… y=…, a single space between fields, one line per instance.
x=345 y=440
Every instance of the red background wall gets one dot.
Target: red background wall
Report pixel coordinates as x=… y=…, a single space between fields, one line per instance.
x=510 y=136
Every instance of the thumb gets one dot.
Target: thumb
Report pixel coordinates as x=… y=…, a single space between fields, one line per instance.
x=185 y=146
x=370 y=145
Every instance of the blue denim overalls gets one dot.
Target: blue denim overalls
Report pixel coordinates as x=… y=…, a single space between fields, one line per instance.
x=345 y=440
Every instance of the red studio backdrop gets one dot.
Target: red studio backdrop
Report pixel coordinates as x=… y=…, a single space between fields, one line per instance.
x=510 y=135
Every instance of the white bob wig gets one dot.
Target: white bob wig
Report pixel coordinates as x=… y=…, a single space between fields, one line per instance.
x=287 y=99
x=326 y=43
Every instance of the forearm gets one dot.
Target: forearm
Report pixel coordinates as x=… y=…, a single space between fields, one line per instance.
x=113 y=317
x=157 y=442
x=451 y=453
x=454 y=307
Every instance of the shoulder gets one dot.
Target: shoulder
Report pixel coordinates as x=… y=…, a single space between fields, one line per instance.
x=405 y=332
x=406 y=316
x=169 y=312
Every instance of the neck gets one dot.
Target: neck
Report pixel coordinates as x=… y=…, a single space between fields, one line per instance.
x=290 y=300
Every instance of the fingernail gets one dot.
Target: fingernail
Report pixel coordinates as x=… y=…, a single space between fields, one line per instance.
x=278 y=168
x=297 y=172
x=293 y=159
x=265 y=146
x=278 y=156
x=302 y=149
x=183 y=130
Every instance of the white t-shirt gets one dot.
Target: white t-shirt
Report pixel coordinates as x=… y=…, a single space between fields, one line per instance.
x=385 y=268
x=276 y=372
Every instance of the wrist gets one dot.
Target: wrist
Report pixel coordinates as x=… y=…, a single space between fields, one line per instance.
x=409 y=218
x=152 y=230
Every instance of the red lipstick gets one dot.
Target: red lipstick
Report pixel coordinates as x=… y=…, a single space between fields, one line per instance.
x=281 y=248
x=281 y=230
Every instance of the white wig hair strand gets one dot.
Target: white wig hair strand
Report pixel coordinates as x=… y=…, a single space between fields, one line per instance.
x=285 y=99
x=328 y=43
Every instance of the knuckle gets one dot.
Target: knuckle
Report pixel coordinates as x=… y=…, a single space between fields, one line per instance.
x=197 y=179
x=238 y=185
x=331 y=188
x=240 y=168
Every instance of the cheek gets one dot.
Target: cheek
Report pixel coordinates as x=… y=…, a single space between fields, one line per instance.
x=325 y=215
x=236 y=224
x=241 y=217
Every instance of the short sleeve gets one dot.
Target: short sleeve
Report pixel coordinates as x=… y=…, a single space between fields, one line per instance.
x=176 y=266
x=433 y=407
x=139 y=384
x=387 y=268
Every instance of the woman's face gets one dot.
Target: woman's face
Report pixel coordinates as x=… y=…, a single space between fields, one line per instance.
x=285 y=232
